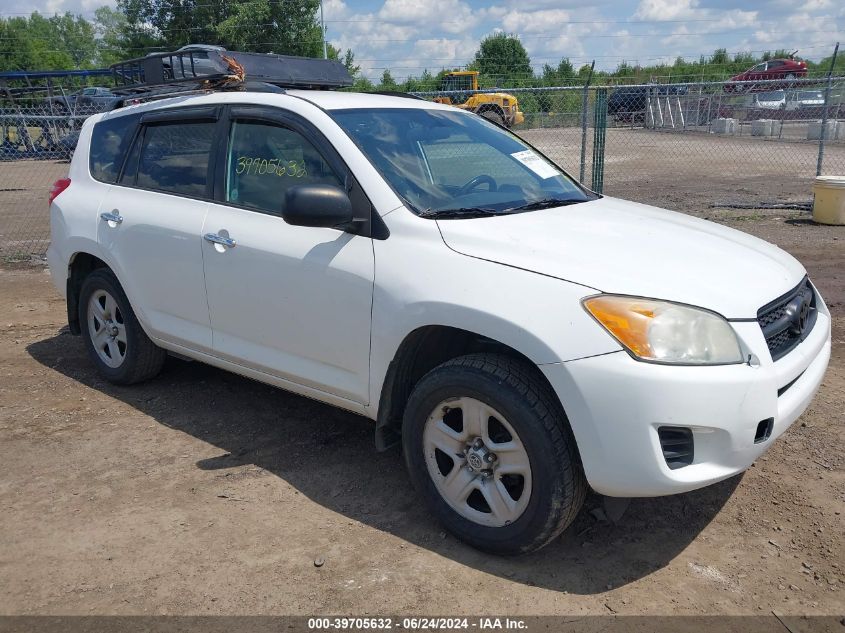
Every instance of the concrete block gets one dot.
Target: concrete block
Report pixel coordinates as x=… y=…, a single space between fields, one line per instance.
x=762 y=127
x=724 y=126
x=814 y=130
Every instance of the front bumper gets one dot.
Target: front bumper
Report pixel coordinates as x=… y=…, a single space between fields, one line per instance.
x=615 y=405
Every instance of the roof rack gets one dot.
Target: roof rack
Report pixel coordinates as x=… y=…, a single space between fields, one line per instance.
x=214 y=68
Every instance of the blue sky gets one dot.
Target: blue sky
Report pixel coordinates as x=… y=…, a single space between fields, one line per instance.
x=410 y=35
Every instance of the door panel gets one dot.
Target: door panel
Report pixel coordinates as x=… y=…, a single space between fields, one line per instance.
x=154 y=233
x=287 y=300
x=157 y=251
x=291 y=301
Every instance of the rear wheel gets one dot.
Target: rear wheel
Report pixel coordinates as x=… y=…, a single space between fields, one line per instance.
x=491 y=451
x=494 y=116
x=116 y=343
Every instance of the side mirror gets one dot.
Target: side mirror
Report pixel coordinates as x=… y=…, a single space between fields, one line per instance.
x=317 y=205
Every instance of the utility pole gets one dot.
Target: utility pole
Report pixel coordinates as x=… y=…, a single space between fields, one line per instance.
x=323 y=29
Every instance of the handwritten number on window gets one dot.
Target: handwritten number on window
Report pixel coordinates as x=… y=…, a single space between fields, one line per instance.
x=256 y=166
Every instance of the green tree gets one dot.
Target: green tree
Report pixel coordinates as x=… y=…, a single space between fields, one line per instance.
x=110 y=26
x=362 y=84
x=348 y=59
x=502 y=58
x=264 y=26
x=720 y=57
x=584 y=71
x=387 y=82
x=39 y=43
x=560 y=74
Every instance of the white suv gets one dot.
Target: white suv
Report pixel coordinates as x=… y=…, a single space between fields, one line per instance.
x=522 y=337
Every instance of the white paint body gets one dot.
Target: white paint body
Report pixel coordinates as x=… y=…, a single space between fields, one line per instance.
x=322 y=313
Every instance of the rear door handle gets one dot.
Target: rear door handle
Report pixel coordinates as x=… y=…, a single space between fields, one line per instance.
x=219 y=239
x=114 y=216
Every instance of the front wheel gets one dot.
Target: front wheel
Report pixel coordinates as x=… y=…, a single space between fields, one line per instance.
x=116 y=343
x=490 y=450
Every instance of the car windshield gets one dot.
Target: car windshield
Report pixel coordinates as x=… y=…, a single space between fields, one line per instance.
x=456 y=164
x=776 y=95
x=810 y=95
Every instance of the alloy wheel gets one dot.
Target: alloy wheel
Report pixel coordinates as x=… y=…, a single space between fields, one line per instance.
x=107 y=328
x=477 y=462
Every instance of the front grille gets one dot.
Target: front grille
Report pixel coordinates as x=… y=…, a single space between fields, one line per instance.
x=789 y=319
x=677 y=446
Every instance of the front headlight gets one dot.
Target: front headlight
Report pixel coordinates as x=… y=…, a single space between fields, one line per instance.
x=665 y=332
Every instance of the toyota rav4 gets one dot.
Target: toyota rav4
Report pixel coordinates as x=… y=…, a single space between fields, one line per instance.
x=520 y=336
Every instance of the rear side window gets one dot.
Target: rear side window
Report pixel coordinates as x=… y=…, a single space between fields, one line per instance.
x=174 y=158
x=110 y=141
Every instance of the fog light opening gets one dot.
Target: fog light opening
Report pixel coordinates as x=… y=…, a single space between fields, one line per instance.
x=764 y=430
x=677 y=445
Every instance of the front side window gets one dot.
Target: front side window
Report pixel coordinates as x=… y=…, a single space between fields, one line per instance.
x=455 y=162
x=264 y=160
x=174 y=157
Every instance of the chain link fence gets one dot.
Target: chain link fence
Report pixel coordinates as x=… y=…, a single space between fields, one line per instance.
x=38 y=140
x=690 y=146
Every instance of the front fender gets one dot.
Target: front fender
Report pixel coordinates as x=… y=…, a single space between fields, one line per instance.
x=426 y=283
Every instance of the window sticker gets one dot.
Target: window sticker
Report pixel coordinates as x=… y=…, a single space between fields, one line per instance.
x=536 y=164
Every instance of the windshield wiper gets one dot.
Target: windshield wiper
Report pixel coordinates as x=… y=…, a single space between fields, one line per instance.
x=480 y=212
x=461 y=212
x=545 y=203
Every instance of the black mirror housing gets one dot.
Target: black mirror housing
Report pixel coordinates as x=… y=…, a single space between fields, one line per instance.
x=317 y=205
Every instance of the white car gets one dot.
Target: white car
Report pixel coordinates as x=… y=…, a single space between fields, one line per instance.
x=772 y=100
x=522 y=337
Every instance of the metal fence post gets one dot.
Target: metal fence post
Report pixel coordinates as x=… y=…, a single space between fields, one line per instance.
x=599 y=132
x=585 y=100
x=825 y=108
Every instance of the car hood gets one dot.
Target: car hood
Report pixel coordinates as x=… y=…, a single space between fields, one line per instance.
x=622 y=247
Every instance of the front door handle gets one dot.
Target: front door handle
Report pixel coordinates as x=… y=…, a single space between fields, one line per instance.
x=114 y=216
x=219 y=239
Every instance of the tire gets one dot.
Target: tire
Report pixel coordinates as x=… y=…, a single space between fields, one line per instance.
x=505 y=395
x=495 y=117
x=127 y=357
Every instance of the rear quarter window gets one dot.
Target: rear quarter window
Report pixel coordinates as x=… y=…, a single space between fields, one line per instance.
x=110 y=141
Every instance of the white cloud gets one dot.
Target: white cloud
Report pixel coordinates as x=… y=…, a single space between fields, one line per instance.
x=666 y=9
x=452 y=16
x=540 y=21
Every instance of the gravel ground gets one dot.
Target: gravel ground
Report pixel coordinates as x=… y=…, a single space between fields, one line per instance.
x=205 y=493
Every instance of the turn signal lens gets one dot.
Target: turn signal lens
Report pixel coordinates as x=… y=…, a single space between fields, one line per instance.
x=665 y=332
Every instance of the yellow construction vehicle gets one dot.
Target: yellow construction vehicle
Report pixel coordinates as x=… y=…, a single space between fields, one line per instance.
x=499 y=107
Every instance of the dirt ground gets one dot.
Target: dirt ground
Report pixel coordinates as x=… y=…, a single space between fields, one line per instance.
x=205 y=493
